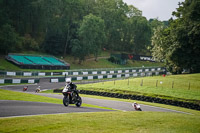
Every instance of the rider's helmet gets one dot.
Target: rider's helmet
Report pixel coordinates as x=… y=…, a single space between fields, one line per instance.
x=68 y=81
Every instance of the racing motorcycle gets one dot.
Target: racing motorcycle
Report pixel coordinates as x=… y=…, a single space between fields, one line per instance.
x=136 y=106
x=71 y=97
x=25 y=88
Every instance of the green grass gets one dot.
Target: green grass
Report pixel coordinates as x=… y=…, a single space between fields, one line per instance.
x=104 y=63
x=104 y=122
x=5 y=65
x=15 y=84
x=22 y=96
x=180 y=90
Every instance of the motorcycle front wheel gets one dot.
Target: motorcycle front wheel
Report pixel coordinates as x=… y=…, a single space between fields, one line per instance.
x=66 y=101
x=79 y=102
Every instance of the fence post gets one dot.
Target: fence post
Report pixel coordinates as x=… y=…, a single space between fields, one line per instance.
x=173 y=84
x=128 y=82
x=189 y=86
x=141 y=84
x=156 y=83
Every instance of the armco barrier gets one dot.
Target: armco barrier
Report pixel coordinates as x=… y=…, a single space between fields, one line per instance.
x=18 y=81
x=140 y=98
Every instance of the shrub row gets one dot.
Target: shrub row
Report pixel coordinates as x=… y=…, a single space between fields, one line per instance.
x=140 y=98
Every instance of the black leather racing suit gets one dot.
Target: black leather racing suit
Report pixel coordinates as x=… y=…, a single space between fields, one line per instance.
x=73 y=87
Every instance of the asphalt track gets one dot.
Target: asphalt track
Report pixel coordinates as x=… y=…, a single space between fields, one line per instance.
x=12 y=108
x=22 y=108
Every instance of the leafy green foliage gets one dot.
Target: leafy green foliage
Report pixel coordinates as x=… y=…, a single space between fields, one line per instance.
x=74 y=26
x=178 y=44
x=52 y=25
x=91 y=35
x=9 y=39
x=29 y=43
x=139 y=34
x=114 y=60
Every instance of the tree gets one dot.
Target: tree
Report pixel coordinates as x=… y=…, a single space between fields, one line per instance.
x=53 y=25
x=187 y=31
x=78 y=50
x=54 y=44
x=114 y=13
x=10 y=41
x=92 y=35
x=181 y=43
x=140 y=32
x=133 y=11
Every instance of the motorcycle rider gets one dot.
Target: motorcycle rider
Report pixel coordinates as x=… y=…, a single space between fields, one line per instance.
x=37 y=89
x=71 y=86
x=136 y=106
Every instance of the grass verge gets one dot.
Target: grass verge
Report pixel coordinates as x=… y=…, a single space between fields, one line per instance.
x=104 y=122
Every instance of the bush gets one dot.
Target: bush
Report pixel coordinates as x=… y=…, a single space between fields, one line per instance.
x=114 y=60
x=29 y=43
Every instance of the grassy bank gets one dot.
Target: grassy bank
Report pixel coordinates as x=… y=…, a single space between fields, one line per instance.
x=87 y=64
x=104 y=63
x=175 y=87
x=104 y=122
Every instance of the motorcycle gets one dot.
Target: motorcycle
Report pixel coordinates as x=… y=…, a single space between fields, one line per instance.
x=25 y=88
x=71 y=97
x=137 y=107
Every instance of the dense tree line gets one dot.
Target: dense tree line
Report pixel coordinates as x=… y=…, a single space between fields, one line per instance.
x=178 y=45
x=77 y=27
x=85 y=27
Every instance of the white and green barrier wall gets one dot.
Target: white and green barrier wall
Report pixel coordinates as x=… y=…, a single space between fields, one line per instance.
x=18 y=81
x=108 y=76
x=87 y=74
x=83 y=72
